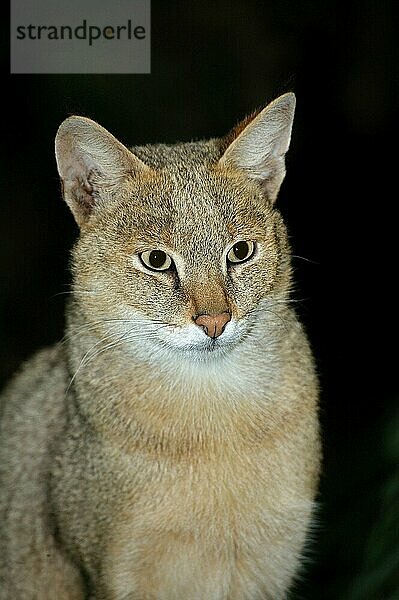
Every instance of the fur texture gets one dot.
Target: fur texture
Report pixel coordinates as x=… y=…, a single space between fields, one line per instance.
x=143 y=459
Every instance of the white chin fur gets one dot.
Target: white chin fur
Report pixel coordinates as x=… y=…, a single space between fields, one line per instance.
x=192 y=337
x=145 y=335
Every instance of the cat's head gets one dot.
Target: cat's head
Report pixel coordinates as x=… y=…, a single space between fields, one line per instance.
x=181 y=247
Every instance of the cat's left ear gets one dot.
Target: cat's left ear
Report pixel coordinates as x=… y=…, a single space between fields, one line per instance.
x=258 y=147
x=92 y=165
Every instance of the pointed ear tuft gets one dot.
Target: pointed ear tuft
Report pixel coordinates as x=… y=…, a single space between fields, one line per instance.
x=90 y=162
x=259 y=146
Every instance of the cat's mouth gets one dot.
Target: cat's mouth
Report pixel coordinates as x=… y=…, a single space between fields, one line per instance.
x=156 y=338
x=192 y=340
x=212 y=345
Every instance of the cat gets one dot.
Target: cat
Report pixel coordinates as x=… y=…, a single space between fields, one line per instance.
x=168 y=448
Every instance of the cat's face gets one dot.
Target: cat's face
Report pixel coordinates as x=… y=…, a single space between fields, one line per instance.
x=180 y=247
x=176 y=246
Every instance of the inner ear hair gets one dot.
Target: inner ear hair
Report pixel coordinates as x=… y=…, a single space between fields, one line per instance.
x=260 y=144
x=91 y=160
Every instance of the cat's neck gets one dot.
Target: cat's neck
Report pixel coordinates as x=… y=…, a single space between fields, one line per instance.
x=181 y=401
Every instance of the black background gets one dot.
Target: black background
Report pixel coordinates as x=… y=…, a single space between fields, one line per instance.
x=213 y=63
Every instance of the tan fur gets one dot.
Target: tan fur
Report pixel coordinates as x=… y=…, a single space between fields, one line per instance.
x=141 y=459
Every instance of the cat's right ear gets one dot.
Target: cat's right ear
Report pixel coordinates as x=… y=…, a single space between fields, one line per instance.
x=258 y=145
x=91 y=163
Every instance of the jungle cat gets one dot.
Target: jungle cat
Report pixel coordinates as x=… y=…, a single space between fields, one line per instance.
x=168 y=449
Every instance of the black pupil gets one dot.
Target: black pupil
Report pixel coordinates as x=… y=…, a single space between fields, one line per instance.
x=157 y=258
x=241 y=250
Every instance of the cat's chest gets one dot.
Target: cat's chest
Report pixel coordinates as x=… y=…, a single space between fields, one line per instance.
x=186 y=530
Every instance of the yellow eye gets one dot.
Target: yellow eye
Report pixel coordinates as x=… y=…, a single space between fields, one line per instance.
x=240 y=252
x=156 y=260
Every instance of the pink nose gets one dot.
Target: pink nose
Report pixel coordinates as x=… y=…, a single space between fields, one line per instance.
x=213 y=325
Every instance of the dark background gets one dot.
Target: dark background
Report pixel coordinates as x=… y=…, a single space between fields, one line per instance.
x=212 y=63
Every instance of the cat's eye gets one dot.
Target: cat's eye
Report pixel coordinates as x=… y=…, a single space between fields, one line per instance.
x=156 y=260
x=240 y=252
